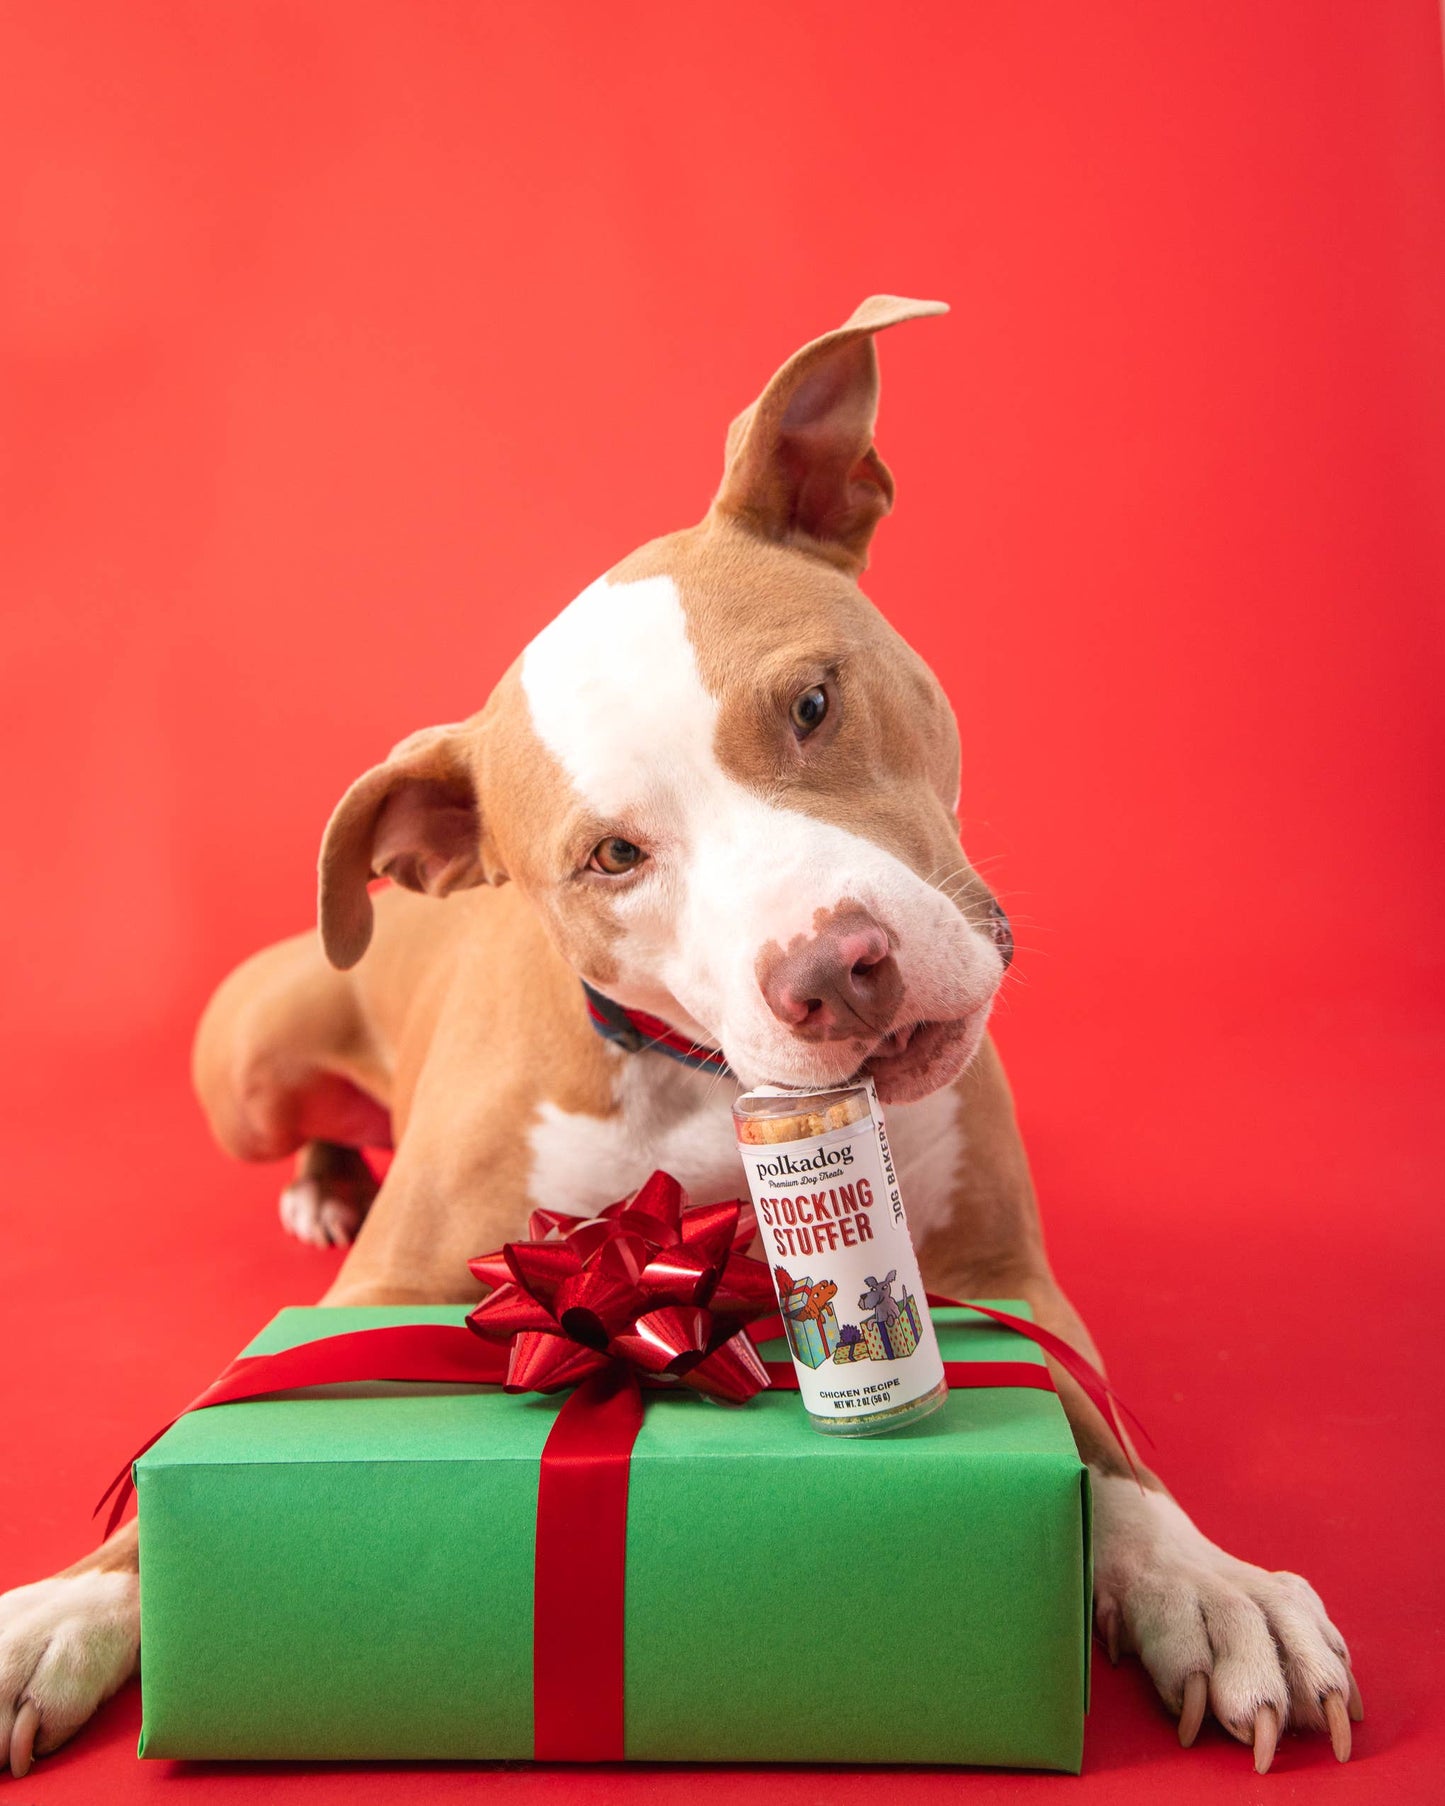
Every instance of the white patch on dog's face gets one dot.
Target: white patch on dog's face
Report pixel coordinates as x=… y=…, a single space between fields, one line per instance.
x=615 y=694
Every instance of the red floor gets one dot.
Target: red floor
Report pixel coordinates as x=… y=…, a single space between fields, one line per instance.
x=1248 y=1222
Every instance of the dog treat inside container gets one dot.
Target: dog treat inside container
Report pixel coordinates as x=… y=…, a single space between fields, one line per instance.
x=835 y=1236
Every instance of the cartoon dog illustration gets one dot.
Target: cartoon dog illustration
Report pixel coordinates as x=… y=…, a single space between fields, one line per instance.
x=819 y=1296
x=879 y=1298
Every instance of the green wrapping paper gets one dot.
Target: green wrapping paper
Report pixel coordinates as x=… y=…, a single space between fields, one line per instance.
x=348 y=1573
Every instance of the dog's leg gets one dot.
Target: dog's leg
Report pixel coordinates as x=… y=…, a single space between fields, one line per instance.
x=66 y=1644
x=1256 y=1648
x=281 y=1060
x=284 y=1064
x=329 y=1196
x=457 y=1187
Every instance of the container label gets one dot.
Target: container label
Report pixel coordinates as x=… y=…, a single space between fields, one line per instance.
x=836 y=1240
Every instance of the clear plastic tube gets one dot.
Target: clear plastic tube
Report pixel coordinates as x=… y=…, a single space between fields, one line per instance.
x=835 y=1237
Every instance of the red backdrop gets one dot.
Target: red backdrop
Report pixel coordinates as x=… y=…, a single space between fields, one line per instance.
x=342 y=344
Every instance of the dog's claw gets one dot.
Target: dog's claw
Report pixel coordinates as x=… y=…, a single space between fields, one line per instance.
x=1357 y=1705
x=1191 y=1713
x=1266 y=1736
x=22 y=1738
x=1338 y=1721
x=1108 y=1631
x=339 y=1223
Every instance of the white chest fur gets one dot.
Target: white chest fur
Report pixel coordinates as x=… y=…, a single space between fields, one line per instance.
x=671 y=1117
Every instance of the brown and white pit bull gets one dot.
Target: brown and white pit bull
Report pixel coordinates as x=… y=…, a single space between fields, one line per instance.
x=721 y=790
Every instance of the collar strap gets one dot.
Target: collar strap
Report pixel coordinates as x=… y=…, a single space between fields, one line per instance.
x=636 y=1032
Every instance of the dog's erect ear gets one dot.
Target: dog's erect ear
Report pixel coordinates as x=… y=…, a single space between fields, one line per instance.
x=414 y=820
x=800 y=464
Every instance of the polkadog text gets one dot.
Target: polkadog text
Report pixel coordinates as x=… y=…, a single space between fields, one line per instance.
x=785 y=1164
x=821 y=1222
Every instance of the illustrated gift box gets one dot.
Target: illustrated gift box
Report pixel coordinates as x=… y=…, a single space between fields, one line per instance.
x=891 y=1341
x=813 y=1335
x=356 y=1572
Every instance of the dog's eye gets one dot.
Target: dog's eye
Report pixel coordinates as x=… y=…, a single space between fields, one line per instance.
x=808 y=710
x=615 y=856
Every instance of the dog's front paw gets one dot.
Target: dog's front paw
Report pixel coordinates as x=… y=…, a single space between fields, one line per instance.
x=1256 y=1648
x=66 y=1644
x=315 y=1212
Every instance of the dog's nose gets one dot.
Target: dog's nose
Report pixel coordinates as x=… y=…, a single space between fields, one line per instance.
x=1000 y=931
x=843 y=984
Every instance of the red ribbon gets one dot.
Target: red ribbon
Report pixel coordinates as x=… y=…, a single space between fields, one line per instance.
x=1085 y=1375
x=579 y=1589
x=608 y=1287
x=435 y=1353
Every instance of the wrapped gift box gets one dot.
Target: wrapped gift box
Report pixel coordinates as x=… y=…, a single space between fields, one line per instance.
x=891 y=1341
x=349 y=1573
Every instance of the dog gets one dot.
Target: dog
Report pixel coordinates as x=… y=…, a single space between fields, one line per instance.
x=879 y=1299
x=819 y=1296
x=711 y=812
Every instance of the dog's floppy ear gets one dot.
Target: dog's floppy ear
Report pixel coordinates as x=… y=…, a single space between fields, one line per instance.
x=414 y=820
x=800 y=464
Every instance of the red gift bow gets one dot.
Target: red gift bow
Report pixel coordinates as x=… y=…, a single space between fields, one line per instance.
x=654 y=1284
x=580 y=1562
